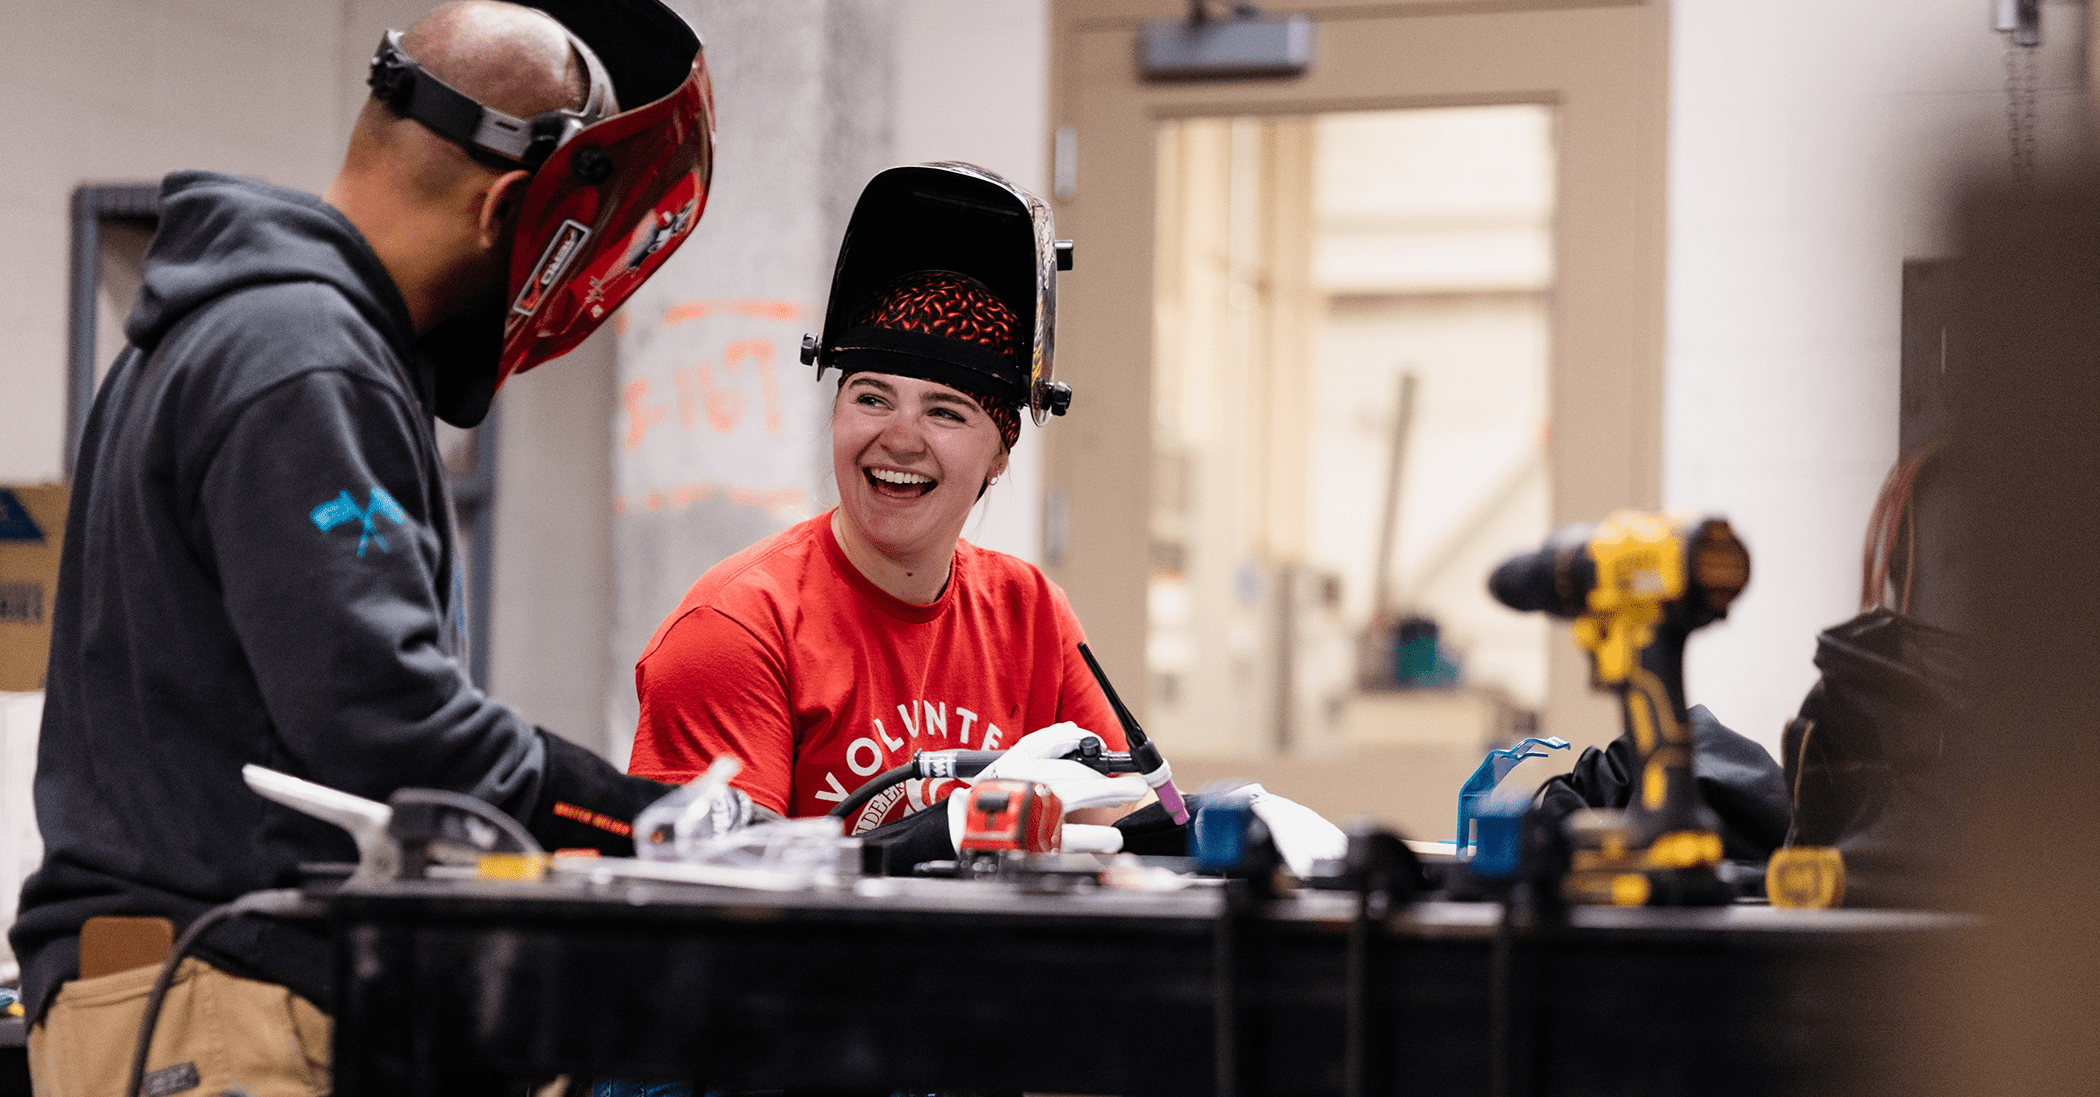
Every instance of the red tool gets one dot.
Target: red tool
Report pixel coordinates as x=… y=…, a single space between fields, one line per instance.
x=1011 y=815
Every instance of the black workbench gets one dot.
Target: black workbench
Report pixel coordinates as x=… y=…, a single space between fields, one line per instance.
x=451 y=988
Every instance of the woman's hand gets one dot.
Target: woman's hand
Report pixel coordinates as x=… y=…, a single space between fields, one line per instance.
x=1090 y=798
x=1054 y=741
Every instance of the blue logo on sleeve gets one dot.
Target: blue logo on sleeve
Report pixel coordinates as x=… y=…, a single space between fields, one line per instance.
x=343 y=509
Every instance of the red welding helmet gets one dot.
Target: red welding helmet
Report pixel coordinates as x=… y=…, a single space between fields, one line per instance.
x=950 y=217
x=612 y=195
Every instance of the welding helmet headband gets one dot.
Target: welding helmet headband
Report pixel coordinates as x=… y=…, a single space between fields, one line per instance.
x=959 y=218
x=612 y=195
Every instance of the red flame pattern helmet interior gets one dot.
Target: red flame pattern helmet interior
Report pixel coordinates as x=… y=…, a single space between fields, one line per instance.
x=953 y=306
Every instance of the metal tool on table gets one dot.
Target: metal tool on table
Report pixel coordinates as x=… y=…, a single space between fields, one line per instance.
x=425 y=832
x=1636 y=585
x=418 y=828
x=415 y=829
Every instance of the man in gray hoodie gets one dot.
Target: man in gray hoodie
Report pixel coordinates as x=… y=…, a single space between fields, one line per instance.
x=260 y=563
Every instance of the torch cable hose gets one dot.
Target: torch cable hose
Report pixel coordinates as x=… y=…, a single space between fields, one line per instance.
x=284 y=902
x=860 y=796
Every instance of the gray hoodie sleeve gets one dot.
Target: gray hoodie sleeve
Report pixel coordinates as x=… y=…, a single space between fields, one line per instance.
x=322 y=512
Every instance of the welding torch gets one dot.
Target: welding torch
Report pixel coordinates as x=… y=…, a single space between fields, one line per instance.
x=1151 y=765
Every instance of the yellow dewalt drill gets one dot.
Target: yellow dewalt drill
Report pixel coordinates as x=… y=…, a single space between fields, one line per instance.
x=1636 y=585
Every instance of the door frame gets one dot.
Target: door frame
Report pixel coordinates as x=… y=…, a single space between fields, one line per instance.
x=1601 y=64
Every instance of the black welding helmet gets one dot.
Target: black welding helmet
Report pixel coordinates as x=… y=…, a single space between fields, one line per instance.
x=957 y=218
x=612 y=194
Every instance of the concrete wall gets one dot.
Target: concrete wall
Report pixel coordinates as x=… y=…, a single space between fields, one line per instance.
x=815 y=97
x=720 y=432
x=971 y=83
x=553 y=554
x=1812 y=145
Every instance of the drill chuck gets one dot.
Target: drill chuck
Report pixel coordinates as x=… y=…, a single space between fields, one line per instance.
x=1555 y=580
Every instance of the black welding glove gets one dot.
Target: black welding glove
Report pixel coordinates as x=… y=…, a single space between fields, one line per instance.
x=1737 y=778
x=913 y=840
x=1150 y=831
x=585 y=803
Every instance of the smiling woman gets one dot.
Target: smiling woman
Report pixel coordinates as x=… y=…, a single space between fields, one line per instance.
x=833 y=651
x=911 y=455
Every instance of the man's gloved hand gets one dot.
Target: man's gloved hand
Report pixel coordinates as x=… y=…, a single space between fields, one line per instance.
x=585 y=803
x=706 y=808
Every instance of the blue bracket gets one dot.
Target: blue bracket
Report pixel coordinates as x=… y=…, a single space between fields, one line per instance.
x=1492 y=770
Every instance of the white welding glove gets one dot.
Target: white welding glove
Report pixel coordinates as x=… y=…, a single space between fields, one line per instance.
x=958 y=815
x=1054 y=741
x=1302 y=835
x=1090 y=838
x=1040 y=756
x=1075 y=785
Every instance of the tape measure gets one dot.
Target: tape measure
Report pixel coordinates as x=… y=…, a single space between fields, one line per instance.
x=1806 y=878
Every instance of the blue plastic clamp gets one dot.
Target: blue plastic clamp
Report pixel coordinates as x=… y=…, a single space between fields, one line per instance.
x=1492 y=770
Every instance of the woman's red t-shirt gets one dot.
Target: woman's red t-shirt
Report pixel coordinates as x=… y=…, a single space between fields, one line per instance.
x=789 y=659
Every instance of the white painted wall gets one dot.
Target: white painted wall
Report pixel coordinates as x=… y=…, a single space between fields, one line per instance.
x=972 y=83
x=21 y=846
x=123 y=91
x=1813 y=146
x=549 y=621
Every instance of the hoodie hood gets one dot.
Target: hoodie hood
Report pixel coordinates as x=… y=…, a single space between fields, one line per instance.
x=220 y=234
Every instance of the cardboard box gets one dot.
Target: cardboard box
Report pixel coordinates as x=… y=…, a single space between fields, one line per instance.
x=32 y=523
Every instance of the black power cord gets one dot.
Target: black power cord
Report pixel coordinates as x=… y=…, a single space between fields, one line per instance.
x=278 y=902
x=860 y=796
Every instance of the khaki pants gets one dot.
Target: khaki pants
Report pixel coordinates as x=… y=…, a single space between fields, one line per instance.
x=217 y=1032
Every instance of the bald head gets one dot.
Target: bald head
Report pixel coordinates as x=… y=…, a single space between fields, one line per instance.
x=507 y=57
x=439 y=219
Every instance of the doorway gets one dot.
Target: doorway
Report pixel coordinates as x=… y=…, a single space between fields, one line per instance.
x=1467 y=195
x=1349 y=394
